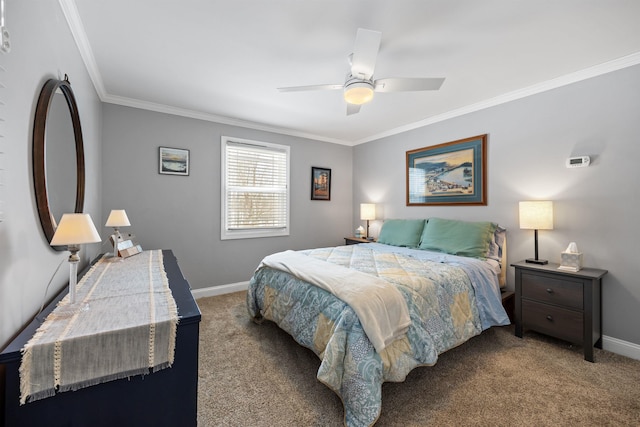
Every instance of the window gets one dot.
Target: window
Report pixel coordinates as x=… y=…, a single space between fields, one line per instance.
x=255 y=189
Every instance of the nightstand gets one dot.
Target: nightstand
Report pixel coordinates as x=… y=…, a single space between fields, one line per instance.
x=563 y=304
x=508 y=302
x=355 y=240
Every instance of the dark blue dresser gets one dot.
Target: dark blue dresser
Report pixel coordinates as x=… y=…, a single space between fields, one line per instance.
x=164 y=398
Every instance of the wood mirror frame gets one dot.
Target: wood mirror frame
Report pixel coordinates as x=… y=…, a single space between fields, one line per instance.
x=43 y=195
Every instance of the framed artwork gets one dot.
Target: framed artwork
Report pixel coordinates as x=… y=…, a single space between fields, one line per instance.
x=453 y=173
x=320 y=183
x=173 y=161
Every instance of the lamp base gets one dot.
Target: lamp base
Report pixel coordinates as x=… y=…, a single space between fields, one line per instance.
x=537 y=261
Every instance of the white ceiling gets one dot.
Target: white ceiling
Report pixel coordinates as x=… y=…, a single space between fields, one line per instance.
x=222 y=60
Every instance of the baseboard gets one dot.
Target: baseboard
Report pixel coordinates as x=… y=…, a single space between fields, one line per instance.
x=611 y=344
x=624 y=348
x=212 y=291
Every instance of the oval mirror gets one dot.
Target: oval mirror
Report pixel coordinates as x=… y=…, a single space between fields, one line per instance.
x=58 y=155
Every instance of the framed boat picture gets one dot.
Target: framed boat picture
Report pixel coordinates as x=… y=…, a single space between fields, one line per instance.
x=453 y=173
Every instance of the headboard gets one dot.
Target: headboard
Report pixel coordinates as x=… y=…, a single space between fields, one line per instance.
x=502 y=279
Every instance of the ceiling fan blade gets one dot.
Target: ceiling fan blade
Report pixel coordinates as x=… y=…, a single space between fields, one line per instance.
x=352 y=109
x=399 y=84
x=311 y=87
x=365 y=52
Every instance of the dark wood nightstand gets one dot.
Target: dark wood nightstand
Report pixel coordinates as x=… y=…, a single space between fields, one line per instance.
x=563 y=304
x=508 y=302
x=355 y=240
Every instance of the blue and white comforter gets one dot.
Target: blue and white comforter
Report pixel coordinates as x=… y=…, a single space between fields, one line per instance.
x=450 y=299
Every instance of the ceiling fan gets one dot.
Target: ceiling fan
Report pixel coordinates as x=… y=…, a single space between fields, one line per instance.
x=360 y=85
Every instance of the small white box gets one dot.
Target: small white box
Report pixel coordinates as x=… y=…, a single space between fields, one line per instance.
x=570 y=261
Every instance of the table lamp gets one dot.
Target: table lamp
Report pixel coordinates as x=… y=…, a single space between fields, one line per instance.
x=117 y=218
x=74 y=230
x=367 y=212
x=536 y=215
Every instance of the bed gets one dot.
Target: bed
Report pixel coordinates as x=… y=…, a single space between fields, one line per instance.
x=373 y=312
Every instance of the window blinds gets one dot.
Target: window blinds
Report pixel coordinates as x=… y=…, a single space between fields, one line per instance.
x=256 y=187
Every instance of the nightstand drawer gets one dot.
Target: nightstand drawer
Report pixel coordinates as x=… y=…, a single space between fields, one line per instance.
x=555 y=291
x=551 y=320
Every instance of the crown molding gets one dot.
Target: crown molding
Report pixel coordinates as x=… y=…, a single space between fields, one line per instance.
x=567 y=79
x=70 y=11
x=176 y=111
x=72 y=16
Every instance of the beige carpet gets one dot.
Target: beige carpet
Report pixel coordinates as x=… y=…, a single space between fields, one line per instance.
x=257 y=375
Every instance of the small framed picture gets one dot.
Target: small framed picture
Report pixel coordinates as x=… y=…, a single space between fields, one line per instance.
x=320 y=183
x=173 y=161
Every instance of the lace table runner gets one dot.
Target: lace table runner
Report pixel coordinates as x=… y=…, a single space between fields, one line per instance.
x=128 y=328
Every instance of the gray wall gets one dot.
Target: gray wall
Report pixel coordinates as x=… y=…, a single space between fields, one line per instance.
x=528 y=142
x=42 y=48
x=182 y=213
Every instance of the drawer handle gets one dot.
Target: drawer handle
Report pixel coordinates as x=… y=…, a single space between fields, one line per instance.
x=549 y=290
x=550 y=318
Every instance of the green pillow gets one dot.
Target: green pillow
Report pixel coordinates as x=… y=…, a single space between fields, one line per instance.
x=470 y=239
x=401 y=232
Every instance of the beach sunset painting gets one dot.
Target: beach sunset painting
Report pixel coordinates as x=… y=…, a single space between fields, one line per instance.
x=174 y=161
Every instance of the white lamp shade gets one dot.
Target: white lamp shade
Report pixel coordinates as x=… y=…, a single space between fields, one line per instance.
x=536 y=215
x=75 y=229
x=117 y=218
x=367 y=211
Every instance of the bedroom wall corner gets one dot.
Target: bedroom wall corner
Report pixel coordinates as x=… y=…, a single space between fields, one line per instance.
x=528 y=143
x=183 y=212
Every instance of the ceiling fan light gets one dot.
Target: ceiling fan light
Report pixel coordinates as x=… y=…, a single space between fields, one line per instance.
x=358 y=93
